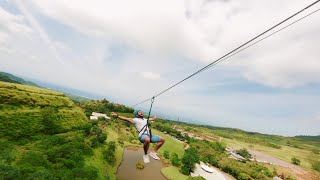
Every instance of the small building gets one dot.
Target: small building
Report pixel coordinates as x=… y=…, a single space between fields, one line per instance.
x=93 y=118
x=96 y=115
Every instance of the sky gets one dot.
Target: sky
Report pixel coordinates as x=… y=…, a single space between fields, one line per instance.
x=128 y=51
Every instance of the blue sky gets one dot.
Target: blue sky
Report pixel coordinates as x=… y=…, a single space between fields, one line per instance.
x=128 y=51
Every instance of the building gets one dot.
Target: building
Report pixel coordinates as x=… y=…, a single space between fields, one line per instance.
x=96 y=115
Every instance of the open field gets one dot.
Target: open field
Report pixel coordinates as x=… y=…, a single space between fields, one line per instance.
x=172 y=173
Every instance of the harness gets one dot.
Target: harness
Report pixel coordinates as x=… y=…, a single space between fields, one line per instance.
x=146 y=127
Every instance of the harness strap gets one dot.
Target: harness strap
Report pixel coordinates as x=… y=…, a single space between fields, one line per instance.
x=146 y=127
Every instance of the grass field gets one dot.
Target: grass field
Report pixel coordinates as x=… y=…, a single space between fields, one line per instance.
x=171 y=145
x=24 y=110
x=172 y=173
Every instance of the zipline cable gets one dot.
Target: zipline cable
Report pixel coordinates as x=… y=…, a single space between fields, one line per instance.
x=267 y=36
x=235 y=51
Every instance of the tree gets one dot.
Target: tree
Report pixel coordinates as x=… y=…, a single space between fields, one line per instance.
x=109 y=153
x=244 y=153
x=48 y=120
x=175 y=160
x=101 y=137
x=166 y=154
x=316 y=166
x=189 y=159
x=295 y=161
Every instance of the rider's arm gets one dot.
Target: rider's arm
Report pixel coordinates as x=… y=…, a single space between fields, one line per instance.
x=153 y=118
x=122 y=117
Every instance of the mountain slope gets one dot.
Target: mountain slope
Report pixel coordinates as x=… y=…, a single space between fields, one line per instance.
x=26 y=111
x=7 y=77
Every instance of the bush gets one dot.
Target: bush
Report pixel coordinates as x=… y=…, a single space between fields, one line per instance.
x=196 y=178
x=139 y=165
x=244 y=153
x=175 y=160
x=166 y=154
x=35 y=159
x=189 y=159
x=94 y=142
x=87 y=129
x=9 y=172
x=185 y=170
x=109 y=153
x=243 y=176
x=220 y=147
x=42 y=175
x=102 y=137
x=316 y=166
x=295 y=161
x=49 y=118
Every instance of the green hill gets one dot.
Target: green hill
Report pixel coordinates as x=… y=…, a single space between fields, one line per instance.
x=26 y=111
x=7 y=77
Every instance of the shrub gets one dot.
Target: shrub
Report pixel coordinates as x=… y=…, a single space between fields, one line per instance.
x=109 y=153
x=94 y=142
x=189 y=159
x=316 y=166
x=102 y=137
x=243 y=176
x=220 y=147
x=166 y=154
x=139 y=165
x=196 y=178
x=9 y=172
x=295 y=161
x=175 y=160
x=244 y=153
x=35 y=159
x=48 y=120
x=42 y=175
x=185 y=170
x=87 y=129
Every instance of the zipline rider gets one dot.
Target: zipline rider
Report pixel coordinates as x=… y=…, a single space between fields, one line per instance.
x=141 y=124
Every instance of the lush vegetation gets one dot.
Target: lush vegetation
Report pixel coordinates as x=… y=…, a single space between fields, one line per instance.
x=103 y=106
x=45 y=135
x=58 y=156
x=7 y=77
x=27 y=111
x=212 y=152
x=244 y=153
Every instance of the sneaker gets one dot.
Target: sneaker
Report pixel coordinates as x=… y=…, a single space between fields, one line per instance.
x=146 y=159
x=154 y=155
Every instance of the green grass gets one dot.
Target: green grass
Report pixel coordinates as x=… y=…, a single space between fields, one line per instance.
x=171 y=145
x=23 y=109
x=28 y=88
x=173 y=173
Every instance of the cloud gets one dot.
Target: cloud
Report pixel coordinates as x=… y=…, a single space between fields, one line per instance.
x=107 y=46
x=150 y=75
x=202 y=31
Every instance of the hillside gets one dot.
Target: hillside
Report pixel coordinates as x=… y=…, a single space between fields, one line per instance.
x=7 y=77
x=276 y=151
x=27 y=111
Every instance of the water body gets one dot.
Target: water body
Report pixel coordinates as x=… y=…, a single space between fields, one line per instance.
x=128 y=170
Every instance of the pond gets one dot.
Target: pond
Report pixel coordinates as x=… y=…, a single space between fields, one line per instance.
x=128 y=170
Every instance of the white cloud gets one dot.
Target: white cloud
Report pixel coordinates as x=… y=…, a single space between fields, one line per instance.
x=150 y=75
x=172 y=39
x=201 y=30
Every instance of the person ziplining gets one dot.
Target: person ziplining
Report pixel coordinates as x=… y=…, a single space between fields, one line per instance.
x=141 y=123
x=145 y=136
